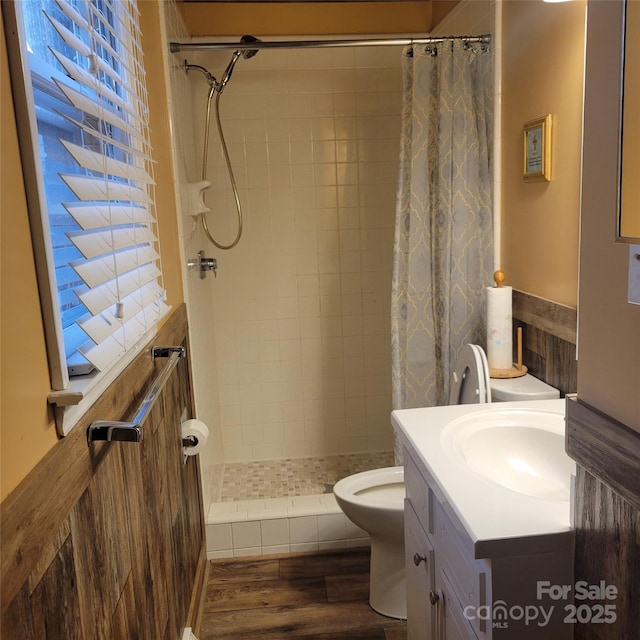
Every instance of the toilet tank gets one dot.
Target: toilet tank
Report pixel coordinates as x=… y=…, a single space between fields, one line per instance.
x=526 y=387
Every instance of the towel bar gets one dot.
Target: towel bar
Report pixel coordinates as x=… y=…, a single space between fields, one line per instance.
x=110 y=430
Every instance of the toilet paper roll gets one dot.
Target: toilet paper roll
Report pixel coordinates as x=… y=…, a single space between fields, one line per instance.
x=499 y=328
x=198 y=430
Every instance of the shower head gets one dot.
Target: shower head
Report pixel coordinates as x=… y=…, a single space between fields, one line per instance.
x=246 y=53
x=249 y=53
x=226 y=76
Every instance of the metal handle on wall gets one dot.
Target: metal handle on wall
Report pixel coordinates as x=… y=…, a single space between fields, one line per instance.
x=115 y=431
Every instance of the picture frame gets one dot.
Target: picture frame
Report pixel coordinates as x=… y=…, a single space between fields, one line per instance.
x=537 y=149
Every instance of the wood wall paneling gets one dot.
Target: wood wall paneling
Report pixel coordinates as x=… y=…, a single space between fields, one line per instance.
x=100 y=537
x=549 y=340
x=607 y=514
x=606 y=448
x=608 y=548
x=108 y=541
x=557 y=319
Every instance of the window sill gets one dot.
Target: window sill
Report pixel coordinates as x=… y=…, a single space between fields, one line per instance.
x=69 y=405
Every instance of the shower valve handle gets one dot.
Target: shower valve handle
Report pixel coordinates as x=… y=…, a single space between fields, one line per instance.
x=208 y=264
x=202 y=265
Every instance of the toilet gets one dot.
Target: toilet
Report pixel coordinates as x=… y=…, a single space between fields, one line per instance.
x=374 y=500
x=470 y=382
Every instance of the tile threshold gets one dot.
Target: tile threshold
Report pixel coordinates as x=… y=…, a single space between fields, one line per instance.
x=272 y=508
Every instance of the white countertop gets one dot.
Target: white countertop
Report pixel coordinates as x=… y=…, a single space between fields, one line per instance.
x=494 y=518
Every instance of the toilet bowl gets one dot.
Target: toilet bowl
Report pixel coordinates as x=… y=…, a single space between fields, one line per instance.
x=374 y=500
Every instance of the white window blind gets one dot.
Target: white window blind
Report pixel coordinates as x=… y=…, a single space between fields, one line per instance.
x=90 y=182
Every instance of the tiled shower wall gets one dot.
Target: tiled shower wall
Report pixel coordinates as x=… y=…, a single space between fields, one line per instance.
x=291 y=341
x=198 y=296
x=301 y=306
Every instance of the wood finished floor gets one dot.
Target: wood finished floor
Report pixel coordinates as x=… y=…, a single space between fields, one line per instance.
x=321 y=596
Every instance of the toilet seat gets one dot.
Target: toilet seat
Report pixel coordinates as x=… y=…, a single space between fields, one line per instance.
x=374 y=501
x=375 y=488
x=470 y=382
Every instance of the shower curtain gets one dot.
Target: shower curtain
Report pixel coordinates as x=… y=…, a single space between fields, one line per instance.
x=443 y=253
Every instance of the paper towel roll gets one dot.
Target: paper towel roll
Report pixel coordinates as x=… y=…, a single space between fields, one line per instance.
x=499 y=328
x=198 y=430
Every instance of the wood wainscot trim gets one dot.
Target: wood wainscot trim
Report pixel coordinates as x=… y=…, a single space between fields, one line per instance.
x=606 y=516
x=549 y=340
x=35 y=515
x=551 y=317
x=606 y=448
x=199 y=593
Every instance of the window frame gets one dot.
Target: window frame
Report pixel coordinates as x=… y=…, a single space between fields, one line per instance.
x=71 y=397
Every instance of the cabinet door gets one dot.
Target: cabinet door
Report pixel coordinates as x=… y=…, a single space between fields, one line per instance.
x=467 y=577
x=419 y=561
x=452 y=622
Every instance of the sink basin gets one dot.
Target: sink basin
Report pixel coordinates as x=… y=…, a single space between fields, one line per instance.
x=519 y=449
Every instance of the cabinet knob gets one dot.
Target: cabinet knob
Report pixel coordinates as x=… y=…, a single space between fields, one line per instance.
x=417 y=559
x=433 y=597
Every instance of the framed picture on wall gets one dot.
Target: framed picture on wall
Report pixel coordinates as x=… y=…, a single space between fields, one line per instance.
x=537 y=149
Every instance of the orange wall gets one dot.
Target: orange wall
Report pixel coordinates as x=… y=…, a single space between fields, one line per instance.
x=608 y=326
x=543 y=69
x=161 y=141
x=26 y=428
x=299 y=18
x=630 y=223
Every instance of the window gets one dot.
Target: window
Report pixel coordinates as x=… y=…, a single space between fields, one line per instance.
x=82 y=112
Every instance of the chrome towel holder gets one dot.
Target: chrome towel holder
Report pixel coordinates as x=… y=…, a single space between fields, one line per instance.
x=116 y=431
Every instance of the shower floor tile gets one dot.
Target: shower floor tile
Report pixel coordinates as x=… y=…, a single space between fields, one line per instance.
x=295 y=477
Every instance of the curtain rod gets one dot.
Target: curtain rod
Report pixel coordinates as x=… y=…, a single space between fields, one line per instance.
x=175 y=47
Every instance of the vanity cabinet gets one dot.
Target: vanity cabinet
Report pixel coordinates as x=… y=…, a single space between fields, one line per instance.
x=458 y=591
x=421 y=583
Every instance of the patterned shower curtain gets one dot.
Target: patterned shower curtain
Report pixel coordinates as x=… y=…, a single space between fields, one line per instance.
x=443 y=253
